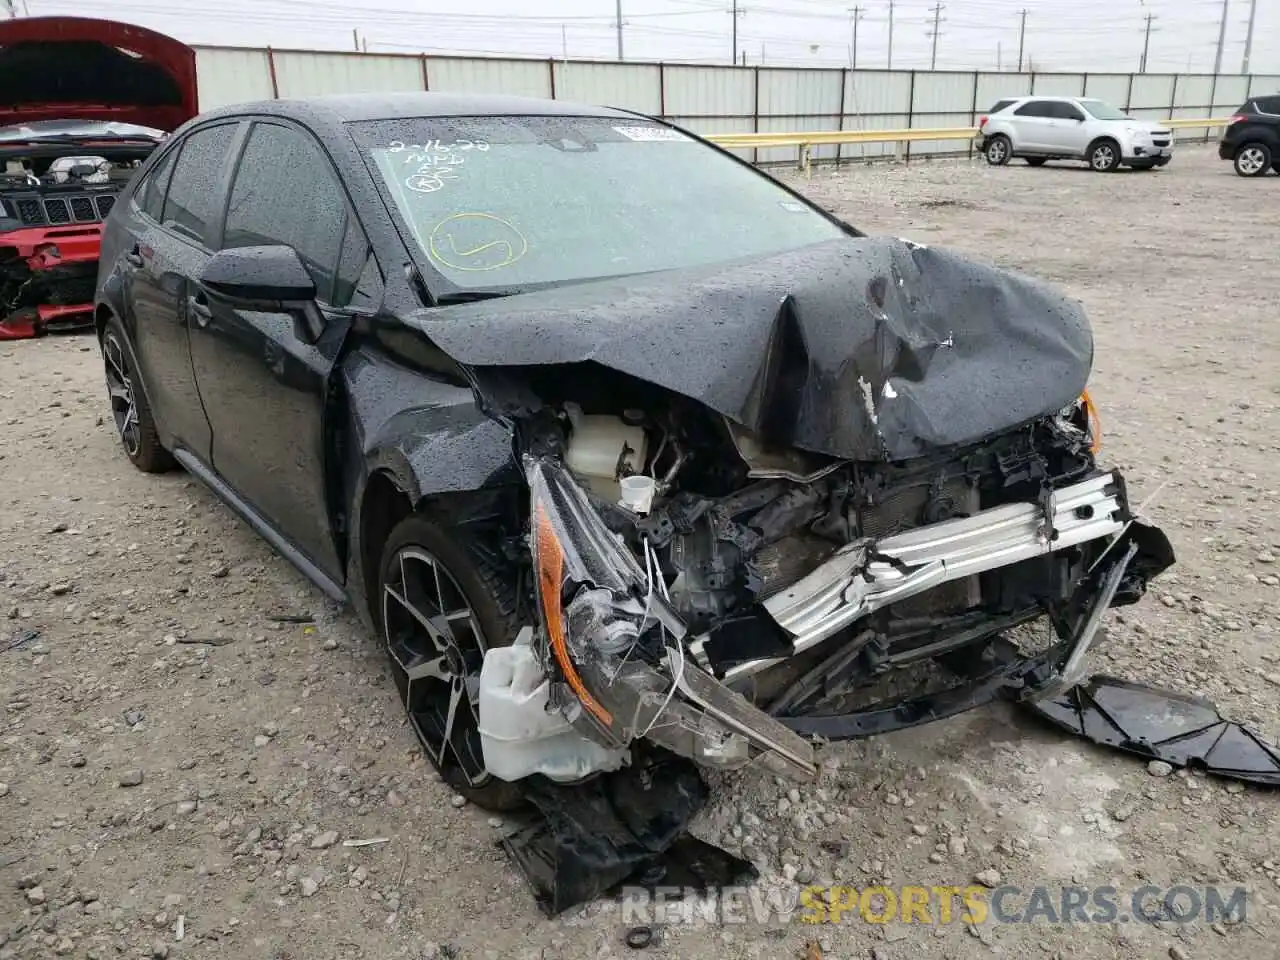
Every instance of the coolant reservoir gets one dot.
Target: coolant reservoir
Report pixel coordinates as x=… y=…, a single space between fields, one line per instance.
x=601 y=448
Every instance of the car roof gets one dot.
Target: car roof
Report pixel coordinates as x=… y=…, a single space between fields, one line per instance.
x=1059 y=99
x=349 y=107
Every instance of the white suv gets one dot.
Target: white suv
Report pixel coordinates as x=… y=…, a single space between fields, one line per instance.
x=1072 y=128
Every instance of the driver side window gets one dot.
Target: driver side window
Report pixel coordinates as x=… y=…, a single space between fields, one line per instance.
x=285 y=192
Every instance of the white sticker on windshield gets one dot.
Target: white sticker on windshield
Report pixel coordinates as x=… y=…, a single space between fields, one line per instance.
x=650 y=134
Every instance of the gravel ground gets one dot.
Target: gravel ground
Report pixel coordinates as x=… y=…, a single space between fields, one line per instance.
x=178 y=771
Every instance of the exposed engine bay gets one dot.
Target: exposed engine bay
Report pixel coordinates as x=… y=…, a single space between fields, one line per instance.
x=55 y=192
x=726 y=599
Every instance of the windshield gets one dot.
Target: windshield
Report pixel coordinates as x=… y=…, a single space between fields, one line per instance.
x=509 y=203
x=1103 y=111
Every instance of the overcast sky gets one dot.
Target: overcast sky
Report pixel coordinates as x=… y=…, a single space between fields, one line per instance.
x=1095 y=35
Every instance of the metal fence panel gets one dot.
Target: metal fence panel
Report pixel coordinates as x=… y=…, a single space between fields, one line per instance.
x=630 y=86
x=305 y=74
x=870 y=151
x=939 y=93
x=523 y=78
x=926 y=147
x=225 y=76
x=1264 y=85
x=1152 y=90
x=1000 y=86
x=799 y=92
x=871 y=93
x=1229 y=93
x=1111 y=87
x=1194 y=90
x=710 y=91
x=1059 y=84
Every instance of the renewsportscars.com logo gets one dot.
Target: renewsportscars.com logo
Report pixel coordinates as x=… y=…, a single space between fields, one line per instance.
x=971 y=904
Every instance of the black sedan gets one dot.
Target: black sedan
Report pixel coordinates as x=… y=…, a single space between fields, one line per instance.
x=623 y=447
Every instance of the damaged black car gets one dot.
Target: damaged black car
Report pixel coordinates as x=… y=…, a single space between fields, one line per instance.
x=625 y=449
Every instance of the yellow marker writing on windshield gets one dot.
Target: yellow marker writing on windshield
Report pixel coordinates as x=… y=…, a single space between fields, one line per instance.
x=474 y=242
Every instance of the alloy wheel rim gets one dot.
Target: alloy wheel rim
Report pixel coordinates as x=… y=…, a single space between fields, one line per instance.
x=1250 y=160
x=124 y=410
x=435 y=640
x=1102 y=157
x=996 y=150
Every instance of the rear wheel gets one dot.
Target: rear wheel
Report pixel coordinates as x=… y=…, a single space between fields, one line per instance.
x=441 y=607
x=134 y=423
x=1036 y=161
x=998 y=150
x=1104 y=156
x=1253 y=160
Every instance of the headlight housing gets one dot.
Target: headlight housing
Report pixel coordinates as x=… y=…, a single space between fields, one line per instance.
x=614 y=646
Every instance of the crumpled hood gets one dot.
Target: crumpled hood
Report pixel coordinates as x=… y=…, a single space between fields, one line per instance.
x=859 y=348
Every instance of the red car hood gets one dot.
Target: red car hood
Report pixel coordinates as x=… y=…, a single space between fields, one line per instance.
x=59 y=68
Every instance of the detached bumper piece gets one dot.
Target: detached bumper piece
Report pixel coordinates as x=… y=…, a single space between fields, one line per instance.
x=626 y=827
x=1157 y=724
x=47 y=279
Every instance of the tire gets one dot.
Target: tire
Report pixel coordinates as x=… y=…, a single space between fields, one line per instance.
x=998 y=150
x=1253 y=160
x=478 y=607
x=1036 y=161
x=135 y=426
x=1104 y=156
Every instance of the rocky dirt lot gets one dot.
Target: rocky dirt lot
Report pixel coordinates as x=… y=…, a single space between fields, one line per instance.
x=179 y=771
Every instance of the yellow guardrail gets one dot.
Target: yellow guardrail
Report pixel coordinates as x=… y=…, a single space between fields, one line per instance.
x=806 y=140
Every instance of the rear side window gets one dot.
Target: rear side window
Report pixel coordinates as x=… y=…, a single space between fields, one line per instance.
x=286 y=192
x=1267 y=104
x=1064 y=111
x=193 y=199
x=1035 y=108
x=150 y=195
x=1000 y=105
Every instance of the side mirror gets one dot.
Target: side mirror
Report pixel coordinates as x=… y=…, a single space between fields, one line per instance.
x=269 y=279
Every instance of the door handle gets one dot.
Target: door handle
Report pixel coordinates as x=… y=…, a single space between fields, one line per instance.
x=199 y=309
x=134 y=257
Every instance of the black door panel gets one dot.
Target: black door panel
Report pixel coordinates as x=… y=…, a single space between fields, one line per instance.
x=266 y=390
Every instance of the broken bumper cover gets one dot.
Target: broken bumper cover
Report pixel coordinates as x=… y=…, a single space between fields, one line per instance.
x=627 y=670
x=62 y=263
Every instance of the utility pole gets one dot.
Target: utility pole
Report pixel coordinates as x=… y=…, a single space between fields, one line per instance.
x=1222 y=38
x=619 y=2
x=856 y=14
x=890 y=63
x=999 y=58
x=1022 y=36
x=937 y=29
x=1248 y=37
x=564 y=41
x=735 y=13
x=1146 y=44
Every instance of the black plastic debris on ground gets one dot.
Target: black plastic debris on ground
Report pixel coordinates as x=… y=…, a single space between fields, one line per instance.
x=623 y=828
x=1161 y=725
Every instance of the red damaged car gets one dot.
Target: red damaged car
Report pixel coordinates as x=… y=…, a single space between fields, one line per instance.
x=82 y=103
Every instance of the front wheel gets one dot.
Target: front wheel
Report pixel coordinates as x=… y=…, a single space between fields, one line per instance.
x=442 y=605
x=1104 y=156
x=135 y=426
x=1253 y=160
x=998 y=150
